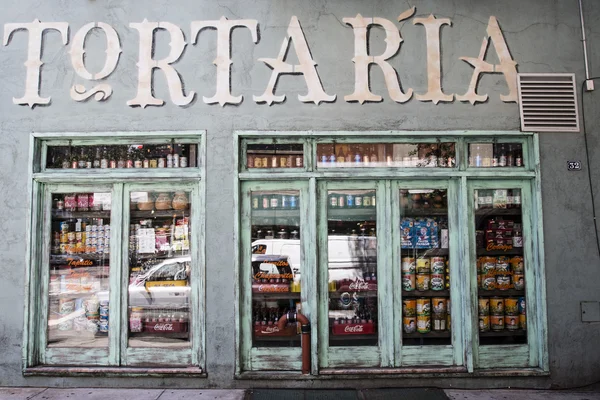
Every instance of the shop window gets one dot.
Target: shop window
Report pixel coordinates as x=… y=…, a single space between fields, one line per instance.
x=118 y=262
x=402 y=250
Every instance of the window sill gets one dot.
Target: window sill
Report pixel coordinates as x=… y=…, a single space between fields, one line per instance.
x=189 y=372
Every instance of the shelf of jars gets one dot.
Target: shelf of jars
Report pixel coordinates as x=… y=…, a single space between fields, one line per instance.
x=495 y=155
x=274 y=156
x=132 y=156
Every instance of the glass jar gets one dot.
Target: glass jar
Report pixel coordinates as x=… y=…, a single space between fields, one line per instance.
x=163 y=201
x=180 y=201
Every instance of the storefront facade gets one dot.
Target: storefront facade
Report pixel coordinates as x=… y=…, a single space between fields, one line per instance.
x=179 y=178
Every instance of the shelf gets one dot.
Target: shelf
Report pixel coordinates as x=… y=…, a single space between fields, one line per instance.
x=498 y=211
x=429 y=252
x=496 y=293
x=287 y=152
x=160 y=214
x=423 y=212
x=426 y=293
x=365 y=294
x=276 y=213
x=346 y=338
x=352 y=214
x=432 y=334
x=71 y=295
x=58 y=214
x=276 y=296
x=505 y=332
x=151 y=335
x=515 y=251
x=295 y=338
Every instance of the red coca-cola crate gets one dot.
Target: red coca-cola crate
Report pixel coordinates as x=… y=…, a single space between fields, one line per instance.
x=165 y=327
x=273 y=330
x=354 y=329
x=355 y=286
x=270 y=287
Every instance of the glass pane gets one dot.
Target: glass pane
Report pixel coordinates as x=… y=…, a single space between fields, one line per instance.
x=275 y=156
x=487 y=155
x=159 y=268
x=275 y=266
x=500 y=266
x=78 y=305
x=123 y=156
x=425 y=267
x=352 y=267
x=377 y=155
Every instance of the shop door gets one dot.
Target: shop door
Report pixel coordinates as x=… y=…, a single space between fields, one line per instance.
x=277 y=268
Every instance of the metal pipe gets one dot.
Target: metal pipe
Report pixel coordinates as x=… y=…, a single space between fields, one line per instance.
x=291 y=317
x=585 y=56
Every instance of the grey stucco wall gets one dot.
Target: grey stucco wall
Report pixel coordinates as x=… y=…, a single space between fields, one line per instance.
x=543 y=36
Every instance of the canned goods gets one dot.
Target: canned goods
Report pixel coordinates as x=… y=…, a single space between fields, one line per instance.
x=488 y=265
x=523 y=321
x=409 y=307
x=183 y=162
x=350 y=200
x=511 y=306
x=438 y=265
x=63 y=248
x=366 y=201
x=408 y=265
x=423 y=282
x=161 y=163
x=518 y=281
x=255 y=203
x=439 y=305
x=484 y=306
x=64 y=226
x=497 y=322
x=408 y=282
x=423 y=306
x=170 y=161
x=423 y=324
x=103 y=326
x=103 y=309
x=484 y=323
x=497 y=306
x=488 y=282
x=409 y=324
x=522 y=305
x=511 y=322
x=517 y=264
x=333 y=201
x=341 y=200
x=274 y=201
x=437 y=282
x=439 y=322
x=503 y=282
x=423 y=266
x=285 y=202
x=358 y=201
x=502 y=265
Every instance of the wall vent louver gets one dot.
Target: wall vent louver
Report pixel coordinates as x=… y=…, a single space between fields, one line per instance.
x=548 y=103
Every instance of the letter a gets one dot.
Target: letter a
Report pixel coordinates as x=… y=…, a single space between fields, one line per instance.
x=315 y=94
x=507 y=66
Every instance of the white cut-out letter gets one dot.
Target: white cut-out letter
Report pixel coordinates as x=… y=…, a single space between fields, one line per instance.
x=315 y=94
x=34 y=53
x=362 y=59
x=146 y=64
x=507 y=66
x=224 y=28
x=113 y=50
x=434 y=65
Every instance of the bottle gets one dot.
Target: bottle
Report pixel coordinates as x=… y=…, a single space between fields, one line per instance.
x=355 y=155
x=502 y=157
x=366 y=157
x=121 y=158
x=516 y=198
x=495 y=156
x=104 y=159
x=97 y=157
x=82 y=162
x=510 y=161
x=518 y=158
x=112 y=158
x=129 y=162
x=74 y=162
x=477 y=158
x=373 y=154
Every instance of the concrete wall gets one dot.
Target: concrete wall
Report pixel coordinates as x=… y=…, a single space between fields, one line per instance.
x=543 y=36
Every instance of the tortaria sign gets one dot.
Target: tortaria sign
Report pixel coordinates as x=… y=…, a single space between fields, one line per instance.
x=295 y=39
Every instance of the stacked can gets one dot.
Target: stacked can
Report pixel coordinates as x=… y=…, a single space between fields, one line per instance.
x=511 y=313
x=66 y=308
x=502 y=273
x=522 y=314
x=484 y=314
x=423 y=315
x=408 y=274
x=497 y=311
x=438 y=269
x=447 y=270
x=440 y=313
x=486 y=273
x=517 y=268
x=409 y=312
x=103 y=317
x=423 y=274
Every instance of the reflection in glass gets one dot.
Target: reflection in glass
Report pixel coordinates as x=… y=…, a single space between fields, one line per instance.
x=377 y=155
x=122 y=156
x=276 y=264
x=352 y=267
x=159 y=269
x=486 y=155
x=425 y=267
x=78 y=290
x=500 y=267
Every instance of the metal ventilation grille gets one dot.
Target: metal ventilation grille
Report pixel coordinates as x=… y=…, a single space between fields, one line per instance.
x=548 y=103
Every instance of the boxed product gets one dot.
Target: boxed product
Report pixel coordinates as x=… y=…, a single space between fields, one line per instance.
x=407 y=226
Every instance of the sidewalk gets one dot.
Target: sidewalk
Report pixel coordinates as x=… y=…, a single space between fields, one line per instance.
x=275 y=394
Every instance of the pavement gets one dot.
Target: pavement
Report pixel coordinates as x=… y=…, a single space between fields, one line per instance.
x=13 y=393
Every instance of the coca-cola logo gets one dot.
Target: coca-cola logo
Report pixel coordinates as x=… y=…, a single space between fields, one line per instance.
x=163 y=327
x=271 y=329
x=359 y=285
x=354 y=329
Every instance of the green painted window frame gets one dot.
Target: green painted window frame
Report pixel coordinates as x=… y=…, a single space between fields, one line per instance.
x=464 y=355
x=120 y=182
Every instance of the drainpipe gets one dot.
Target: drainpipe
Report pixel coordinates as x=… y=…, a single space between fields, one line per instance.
x=291 y=317
x=589 y=84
